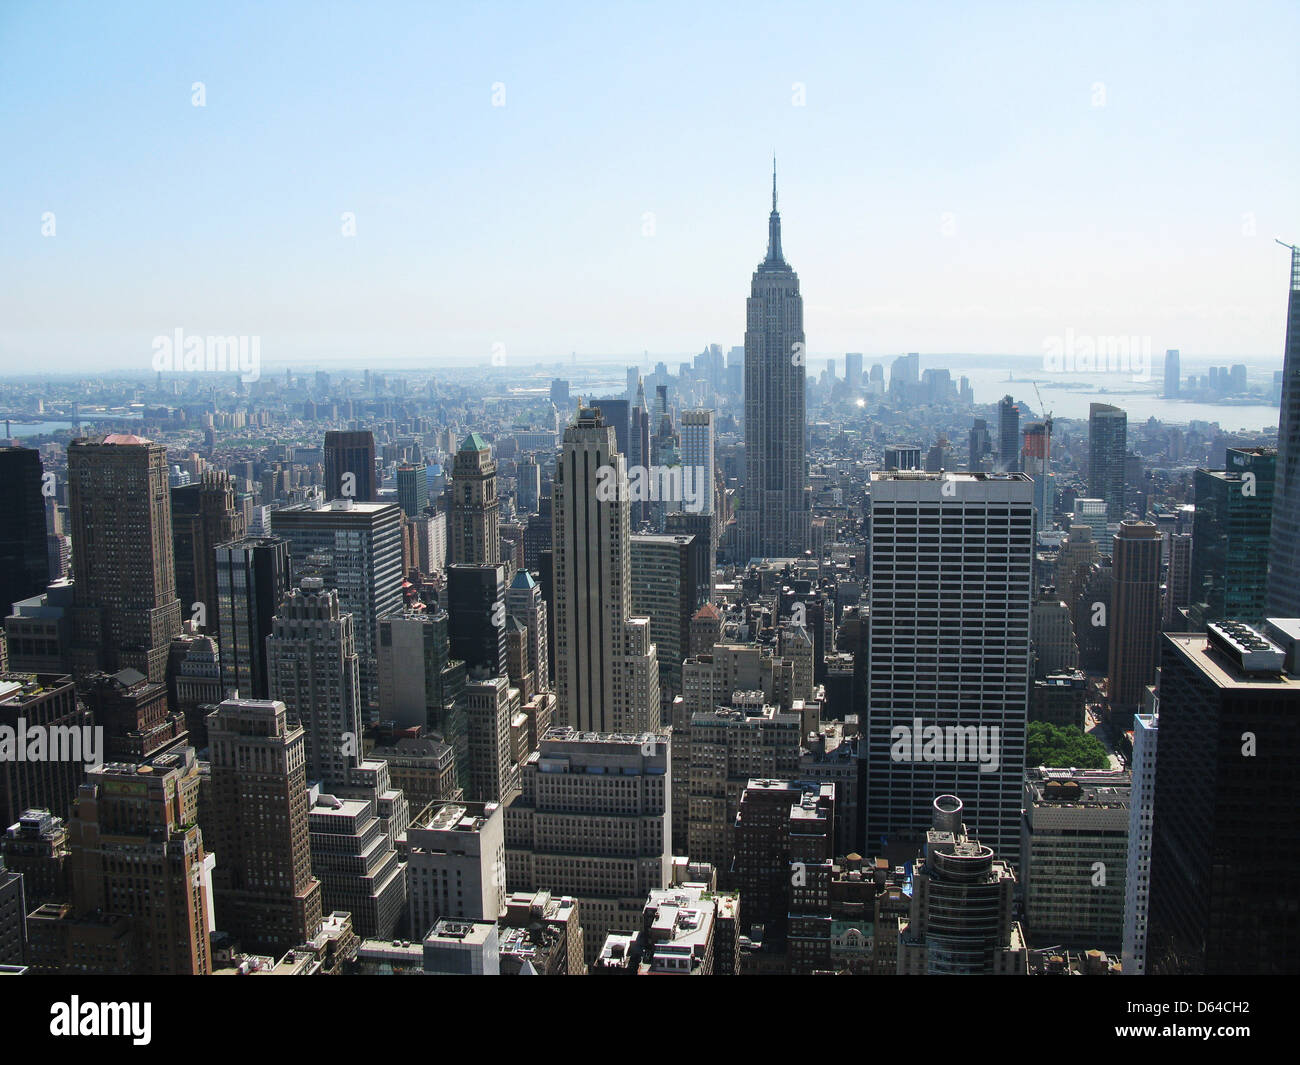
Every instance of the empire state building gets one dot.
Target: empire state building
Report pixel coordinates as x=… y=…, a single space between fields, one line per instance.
x=774 y=507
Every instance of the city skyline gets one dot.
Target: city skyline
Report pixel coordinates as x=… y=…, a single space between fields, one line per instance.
x=378 y=617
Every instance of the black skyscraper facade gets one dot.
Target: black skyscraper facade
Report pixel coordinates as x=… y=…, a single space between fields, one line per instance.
x=1224 y=860
x=253 y=576
x=1008 y=435
x=476 y=602
x=24 y=561
x=1284 y=554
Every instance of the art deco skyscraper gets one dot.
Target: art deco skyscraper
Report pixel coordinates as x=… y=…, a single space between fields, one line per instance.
x=474 y=537
x=774 y=515
x=1284 y=558
x=593 y=820
x=125 y=611
x=137 y=851
x=265 y=892
x=312 y=664
x=606 y=665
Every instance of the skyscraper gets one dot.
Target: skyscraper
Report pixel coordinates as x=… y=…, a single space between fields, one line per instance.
x=1134 y=616
x=853 y=369
x=980 y=447
x=24 y=558
x=457 y=864
x=265 y=892
x=413 y=488
x=668 y=586
x=774 y=514
x=1037 y=462
x=948 y=676
x=312 y=658
x=473 y=535
x=356 y=812
x=961 y=921
x=125 y=611
x=697 y=456
x=1137 y=874
x=1008 y=435
x=419 y=679
x=606 y=667
x=350 y=466
x=1107 y=449
x=204 y=514
x=137 y=853
x=593 y=821
x=490 y=705
x=1223 y=868
x=1230 y=537
x=1075 y=818
x=617 y=412
x=524 y=601
x=1284 y=558
x=1171 y=373
x=355 y=548
x=47 y=702
x=253 y=575
x=476 y=601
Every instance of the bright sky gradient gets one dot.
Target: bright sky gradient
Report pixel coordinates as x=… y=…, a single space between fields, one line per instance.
x=948 y=186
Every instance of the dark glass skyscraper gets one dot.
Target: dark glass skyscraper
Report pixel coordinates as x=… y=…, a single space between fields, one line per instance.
x=476 y=602
x=1230 y=541
x=1008 y=435
x=253 y=575
x=1284 y=554
x=1107 y=450
x=1224 y=864
x=774 y=516
x=24 y=560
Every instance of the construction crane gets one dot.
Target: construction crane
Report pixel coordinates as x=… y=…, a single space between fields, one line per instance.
x=1047 y=414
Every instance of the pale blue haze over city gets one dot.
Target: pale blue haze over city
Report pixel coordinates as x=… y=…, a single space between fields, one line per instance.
x=953 y=179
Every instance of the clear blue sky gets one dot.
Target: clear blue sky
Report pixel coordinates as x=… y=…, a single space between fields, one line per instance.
x=948 y=186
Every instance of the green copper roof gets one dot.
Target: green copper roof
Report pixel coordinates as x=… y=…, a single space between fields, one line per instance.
x=474 y=442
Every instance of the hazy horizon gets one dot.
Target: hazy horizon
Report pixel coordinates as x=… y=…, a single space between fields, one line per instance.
x=440 y=184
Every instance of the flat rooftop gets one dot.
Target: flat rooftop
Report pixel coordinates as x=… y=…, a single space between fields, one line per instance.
x=1222 y=672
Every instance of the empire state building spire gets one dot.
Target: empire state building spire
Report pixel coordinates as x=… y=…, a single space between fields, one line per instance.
x=774 y=514
x=774 y=225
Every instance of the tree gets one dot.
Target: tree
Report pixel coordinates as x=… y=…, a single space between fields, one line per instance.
x=1063 y=747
